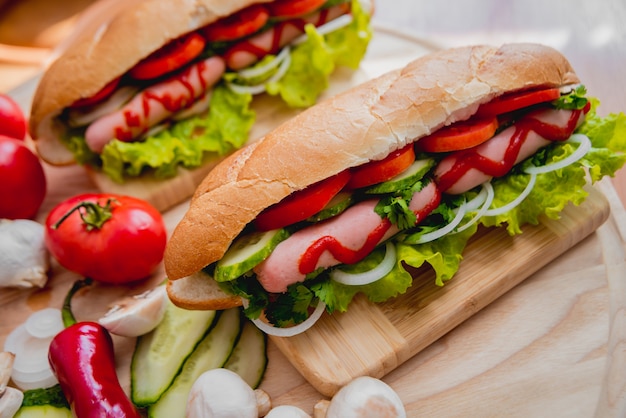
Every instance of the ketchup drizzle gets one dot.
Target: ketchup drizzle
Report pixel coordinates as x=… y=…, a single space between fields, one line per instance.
x=471 y=159
x=308 y=261
x=172 y=104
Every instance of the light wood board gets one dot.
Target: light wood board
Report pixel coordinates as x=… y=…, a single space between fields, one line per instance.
x=551 y=346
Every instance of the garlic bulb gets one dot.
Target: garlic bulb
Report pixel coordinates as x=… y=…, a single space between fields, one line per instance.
x=24 y=258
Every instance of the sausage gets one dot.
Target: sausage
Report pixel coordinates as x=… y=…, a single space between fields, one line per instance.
x=283 y=265
x=249 y=51
x=562 y=121
x=155 y=104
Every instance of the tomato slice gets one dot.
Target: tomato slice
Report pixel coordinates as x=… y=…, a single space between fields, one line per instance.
x=460 y=135
x=302 y=204
x=100 y=96
x=382 y=170
x=243 y=23
x=170 y=57
x=514 y=101
x=293 y=8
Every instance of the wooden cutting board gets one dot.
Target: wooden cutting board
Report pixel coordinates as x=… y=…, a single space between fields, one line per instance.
x=374 y=339
x=552 y=345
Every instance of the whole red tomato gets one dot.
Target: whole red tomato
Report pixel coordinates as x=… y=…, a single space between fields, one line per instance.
x=109 y=238
x=12 y=120
x=22 y=180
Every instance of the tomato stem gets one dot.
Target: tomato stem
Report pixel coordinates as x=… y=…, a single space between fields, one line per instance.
x=93 y=214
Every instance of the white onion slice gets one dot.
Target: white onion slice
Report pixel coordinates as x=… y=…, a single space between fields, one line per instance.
x=431 y=236
x=326 y=28
x=30 y=343
x=370 y=276
x=487 y=188
x=583 y=148
x=257 y=71
x=120 y=97
x=45 y=323
x=260 y=88
x=289 y=331
x=503 y=209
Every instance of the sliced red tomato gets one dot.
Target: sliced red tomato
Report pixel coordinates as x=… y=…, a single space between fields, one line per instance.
x=301 y=204
x=243 y=23
x=460 y=135
x=514 y=101
x=382 y=170
x=293 y=8
x=100 y=96
x=170 y=57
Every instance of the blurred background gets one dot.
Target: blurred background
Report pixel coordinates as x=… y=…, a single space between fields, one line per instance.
x=592 y=34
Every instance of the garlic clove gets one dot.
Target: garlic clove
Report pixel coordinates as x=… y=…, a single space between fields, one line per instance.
x=287 y=411
x=24 y=258
x=136 y=315
x=366 y=397
x=10 y=402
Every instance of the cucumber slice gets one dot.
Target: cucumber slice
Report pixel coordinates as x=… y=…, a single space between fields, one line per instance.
x=340 y=202
x=160 y=354
x=249 y=357
x=43 y=411
x=404 y=180
x=45 y=402
x=246 y=252
x=212 y=352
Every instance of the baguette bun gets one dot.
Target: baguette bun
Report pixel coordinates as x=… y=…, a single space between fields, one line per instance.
x=107 y=51
x=365 y=123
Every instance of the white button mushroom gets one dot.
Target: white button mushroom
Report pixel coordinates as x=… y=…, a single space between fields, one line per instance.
x=366 y=397
x=136 y=315
x=287 y=411
x=10 y=398
x=222 y=393
x=24 y=258
x=10 y=402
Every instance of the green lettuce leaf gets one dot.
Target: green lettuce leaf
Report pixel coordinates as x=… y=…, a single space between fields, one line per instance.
x=316 y=58
x=224 y=128
x=554 y=190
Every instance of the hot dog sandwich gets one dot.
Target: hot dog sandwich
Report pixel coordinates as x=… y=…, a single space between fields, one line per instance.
x=163 y=84
x=398 y=171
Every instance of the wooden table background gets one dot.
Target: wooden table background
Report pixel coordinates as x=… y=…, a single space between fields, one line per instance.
x=441 y=381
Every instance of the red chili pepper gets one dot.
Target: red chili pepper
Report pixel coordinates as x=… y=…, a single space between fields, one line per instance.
x=82 y=358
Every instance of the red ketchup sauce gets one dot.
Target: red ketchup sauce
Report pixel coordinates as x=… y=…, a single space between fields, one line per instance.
x=308 y=261
x=172 y=104
x=471 y=159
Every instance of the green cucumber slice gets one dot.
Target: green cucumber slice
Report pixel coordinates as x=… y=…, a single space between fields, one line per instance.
x=404 y=180
x=249 y=357
x=45 y=402
x=340 y=202
x=43 y=411
x=212 y=352
x=159 y=355
x=246 y=252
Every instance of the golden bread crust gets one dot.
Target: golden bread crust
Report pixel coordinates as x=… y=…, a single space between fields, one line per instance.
x=365 y=123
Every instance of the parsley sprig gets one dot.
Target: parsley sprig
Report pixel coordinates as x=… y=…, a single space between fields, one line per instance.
x=574 y=100
x=395 y=207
